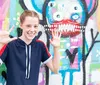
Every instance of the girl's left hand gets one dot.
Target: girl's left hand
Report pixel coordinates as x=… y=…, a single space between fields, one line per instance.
x=55 y=41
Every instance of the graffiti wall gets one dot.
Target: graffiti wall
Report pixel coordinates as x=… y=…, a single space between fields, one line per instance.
x=80 y=40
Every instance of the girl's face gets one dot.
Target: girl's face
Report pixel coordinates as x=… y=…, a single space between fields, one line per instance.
x=30 y=27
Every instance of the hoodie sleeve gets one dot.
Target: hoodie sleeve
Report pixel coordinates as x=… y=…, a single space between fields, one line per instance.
x=3 y=53
x=46 y=56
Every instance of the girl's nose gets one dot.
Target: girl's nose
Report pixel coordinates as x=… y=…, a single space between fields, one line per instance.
x=32 y=28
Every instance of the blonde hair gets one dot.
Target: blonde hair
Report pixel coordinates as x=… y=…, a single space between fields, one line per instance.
x=28 y=13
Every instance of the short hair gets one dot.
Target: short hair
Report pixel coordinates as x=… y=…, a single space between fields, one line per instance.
x=28 y=13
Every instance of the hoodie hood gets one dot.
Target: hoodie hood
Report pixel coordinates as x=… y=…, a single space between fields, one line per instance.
x=21 y=43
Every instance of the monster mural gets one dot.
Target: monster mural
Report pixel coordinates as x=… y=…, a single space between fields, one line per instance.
x=79 y=49
x=70 y=17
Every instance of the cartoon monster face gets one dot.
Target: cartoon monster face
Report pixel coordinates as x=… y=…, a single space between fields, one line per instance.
x=72 y=13
x=66 y=16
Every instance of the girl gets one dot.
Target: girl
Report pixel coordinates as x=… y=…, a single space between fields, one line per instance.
x=22 y=56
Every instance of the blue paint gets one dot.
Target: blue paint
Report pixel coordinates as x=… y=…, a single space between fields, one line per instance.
x=71 y=78
x=75 y=16
x=90 y=5
x=37 y=4
x=83 y=18
x=12 y=14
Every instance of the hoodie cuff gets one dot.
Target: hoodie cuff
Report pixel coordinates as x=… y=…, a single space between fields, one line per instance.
x=47 y=60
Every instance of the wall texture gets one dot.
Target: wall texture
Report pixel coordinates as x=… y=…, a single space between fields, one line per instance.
x=80 y=41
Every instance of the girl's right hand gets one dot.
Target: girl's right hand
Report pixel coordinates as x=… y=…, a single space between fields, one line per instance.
x=4 y=36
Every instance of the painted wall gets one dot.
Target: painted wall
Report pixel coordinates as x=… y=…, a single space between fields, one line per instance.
x=80 y=41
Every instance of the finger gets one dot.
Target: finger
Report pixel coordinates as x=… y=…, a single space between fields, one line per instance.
x=3 y=33
x=57 y=33
x=4 y=41
x=7 y=40
x=5 y=28
x=60 y=33
x=52 y=32
x=11 y=29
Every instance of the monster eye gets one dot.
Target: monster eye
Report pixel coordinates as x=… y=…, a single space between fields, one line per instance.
x=51 y=4
x=75 y=16
x=57 y=16
x=75 y=8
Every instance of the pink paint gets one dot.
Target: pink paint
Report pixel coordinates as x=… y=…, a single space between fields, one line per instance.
x=90 y=84
x=0 y=25
x=42 y=70
x=75 y=43
x=42 y=83
x=88 y=3
x=80 y=40
x=54 y=10
x=4 y=6
x=1 y=2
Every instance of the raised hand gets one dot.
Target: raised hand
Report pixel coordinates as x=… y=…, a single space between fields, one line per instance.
x=55 y=41
x=4 y=36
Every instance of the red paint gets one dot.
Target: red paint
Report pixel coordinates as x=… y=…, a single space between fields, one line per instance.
x=66 y=22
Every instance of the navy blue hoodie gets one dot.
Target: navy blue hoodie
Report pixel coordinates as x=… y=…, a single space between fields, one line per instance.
x=23 y=61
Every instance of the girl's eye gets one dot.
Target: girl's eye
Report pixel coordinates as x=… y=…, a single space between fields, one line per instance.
x=35 y=26
x=28 y=25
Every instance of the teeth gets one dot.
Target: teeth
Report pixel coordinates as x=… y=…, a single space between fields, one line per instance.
x=64 y=30
x=30 y=33
x=65 y=27
x=77 y=29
